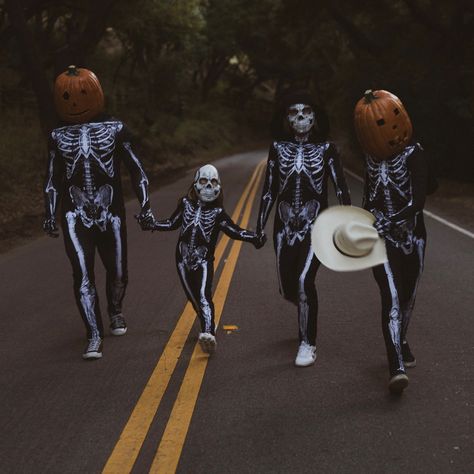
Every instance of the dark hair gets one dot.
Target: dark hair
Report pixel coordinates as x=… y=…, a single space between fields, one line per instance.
x=218 y=202
x=280 y=129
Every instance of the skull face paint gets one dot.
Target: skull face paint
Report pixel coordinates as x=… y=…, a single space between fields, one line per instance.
x=207 y=183
x=301 y=118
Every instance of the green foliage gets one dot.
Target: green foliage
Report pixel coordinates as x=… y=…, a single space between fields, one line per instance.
x=159 y=60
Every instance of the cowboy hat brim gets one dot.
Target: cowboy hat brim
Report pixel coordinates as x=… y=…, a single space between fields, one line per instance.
x=322 y=240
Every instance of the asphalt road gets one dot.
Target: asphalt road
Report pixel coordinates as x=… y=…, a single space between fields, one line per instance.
x=255 y=412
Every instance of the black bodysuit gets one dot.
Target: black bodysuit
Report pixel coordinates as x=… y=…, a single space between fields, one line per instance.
x=395 y=192
x=297 y=179
x=200 y=225
x=84 y=172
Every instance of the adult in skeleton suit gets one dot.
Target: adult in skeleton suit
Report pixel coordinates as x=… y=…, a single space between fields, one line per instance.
x=395 y=192
x=296 y=180
x=83 y=172
x=200 y=216
x=396 y=184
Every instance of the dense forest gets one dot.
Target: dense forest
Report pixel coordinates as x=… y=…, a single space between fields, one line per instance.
x=192 y=76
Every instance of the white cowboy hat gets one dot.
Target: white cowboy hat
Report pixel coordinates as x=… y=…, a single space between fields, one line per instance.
x=344 y=239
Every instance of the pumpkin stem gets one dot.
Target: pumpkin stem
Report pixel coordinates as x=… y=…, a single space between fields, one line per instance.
x=72 y=71
x=369 y=96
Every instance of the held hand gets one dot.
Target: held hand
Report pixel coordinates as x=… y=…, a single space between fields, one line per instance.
x=50 y=227
x=382 y=224
x=146 y=219
x=260 y=240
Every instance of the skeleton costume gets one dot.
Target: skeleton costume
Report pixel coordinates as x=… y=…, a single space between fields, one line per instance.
x=297 y=181
x=200 y=221
x=395 y=191
x=84 y=171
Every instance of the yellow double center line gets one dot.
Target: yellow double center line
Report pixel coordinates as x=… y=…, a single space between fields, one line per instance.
x=126 y=450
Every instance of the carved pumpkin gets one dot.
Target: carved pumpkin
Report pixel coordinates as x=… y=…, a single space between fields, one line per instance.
x=78 y=95
x=382 y=124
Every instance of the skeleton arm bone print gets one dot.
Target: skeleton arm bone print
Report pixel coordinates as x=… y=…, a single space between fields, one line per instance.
x=139 y=179
x=337 y=176
x=237 y=233
x=270 y=189
x=173 y=222
x=52 y=192
x=418 y=168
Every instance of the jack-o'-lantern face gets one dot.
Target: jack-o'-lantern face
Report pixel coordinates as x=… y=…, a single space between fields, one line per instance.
x=78 y=95
x=382 y=124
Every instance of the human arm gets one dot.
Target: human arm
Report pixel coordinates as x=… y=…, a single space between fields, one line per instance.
x=270 y=190
x=337 y=175
x=53 y=181
x=139 y=180
x=173 y=222
x=418 y=168
x=237 y=233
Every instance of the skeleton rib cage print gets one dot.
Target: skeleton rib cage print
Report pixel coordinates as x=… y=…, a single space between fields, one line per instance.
x=389 y=190
x=87 y=156
x=297 y=178
x=200 y=225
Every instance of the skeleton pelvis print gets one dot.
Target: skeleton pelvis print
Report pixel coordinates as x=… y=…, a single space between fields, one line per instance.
x=93 y=208
x=297 y=221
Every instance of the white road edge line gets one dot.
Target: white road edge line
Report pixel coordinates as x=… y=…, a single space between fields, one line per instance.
x=428 y=213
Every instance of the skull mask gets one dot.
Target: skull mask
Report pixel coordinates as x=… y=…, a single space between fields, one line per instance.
x=207 y=183
x=300 y=118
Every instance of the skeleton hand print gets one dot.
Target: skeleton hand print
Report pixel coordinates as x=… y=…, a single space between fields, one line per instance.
x=146 y=220
x=382 y=224
x=50 y=227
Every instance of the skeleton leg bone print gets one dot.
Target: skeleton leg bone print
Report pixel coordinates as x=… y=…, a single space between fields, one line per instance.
x=84 y=282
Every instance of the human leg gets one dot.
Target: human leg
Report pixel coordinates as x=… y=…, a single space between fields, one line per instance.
x=80 y=248
x=112 y=248
x=412 y=270
x=389 y=279
x=197 y=284
x=307 y=266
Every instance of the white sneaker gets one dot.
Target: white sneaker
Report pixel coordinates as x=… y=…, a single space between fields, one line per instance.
x=208 y=342
x=306 y=355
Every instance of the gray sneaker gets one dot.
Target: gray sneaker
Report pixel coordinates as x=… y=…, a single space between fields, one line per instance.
x=118 y=326
x=93 y=349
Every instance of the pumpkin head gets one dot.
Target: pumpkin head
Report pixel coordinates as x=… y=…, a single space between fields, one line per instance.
x=78 y=95
x=382 y=124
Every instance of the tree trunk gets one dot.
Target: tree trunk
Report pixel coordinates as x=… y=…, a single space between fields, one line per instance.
x=32 y=63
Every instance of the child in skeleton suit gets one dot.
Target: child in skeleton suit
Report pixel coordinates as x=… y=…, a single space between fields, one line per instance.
x=296 y=180
x=200 y=217
x=395 y=191
x=83 y=172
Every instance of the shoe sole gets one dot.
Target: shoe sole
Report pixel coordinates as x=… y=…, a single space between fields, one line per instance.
x=305 y=364
x=398 y=383
x=92 y=355
x=118 y=331
x=410 y=365
x=208 y=345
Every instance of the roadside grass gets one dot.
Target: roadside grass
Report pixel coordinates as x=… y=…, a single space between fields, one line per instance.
x=167 y=147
